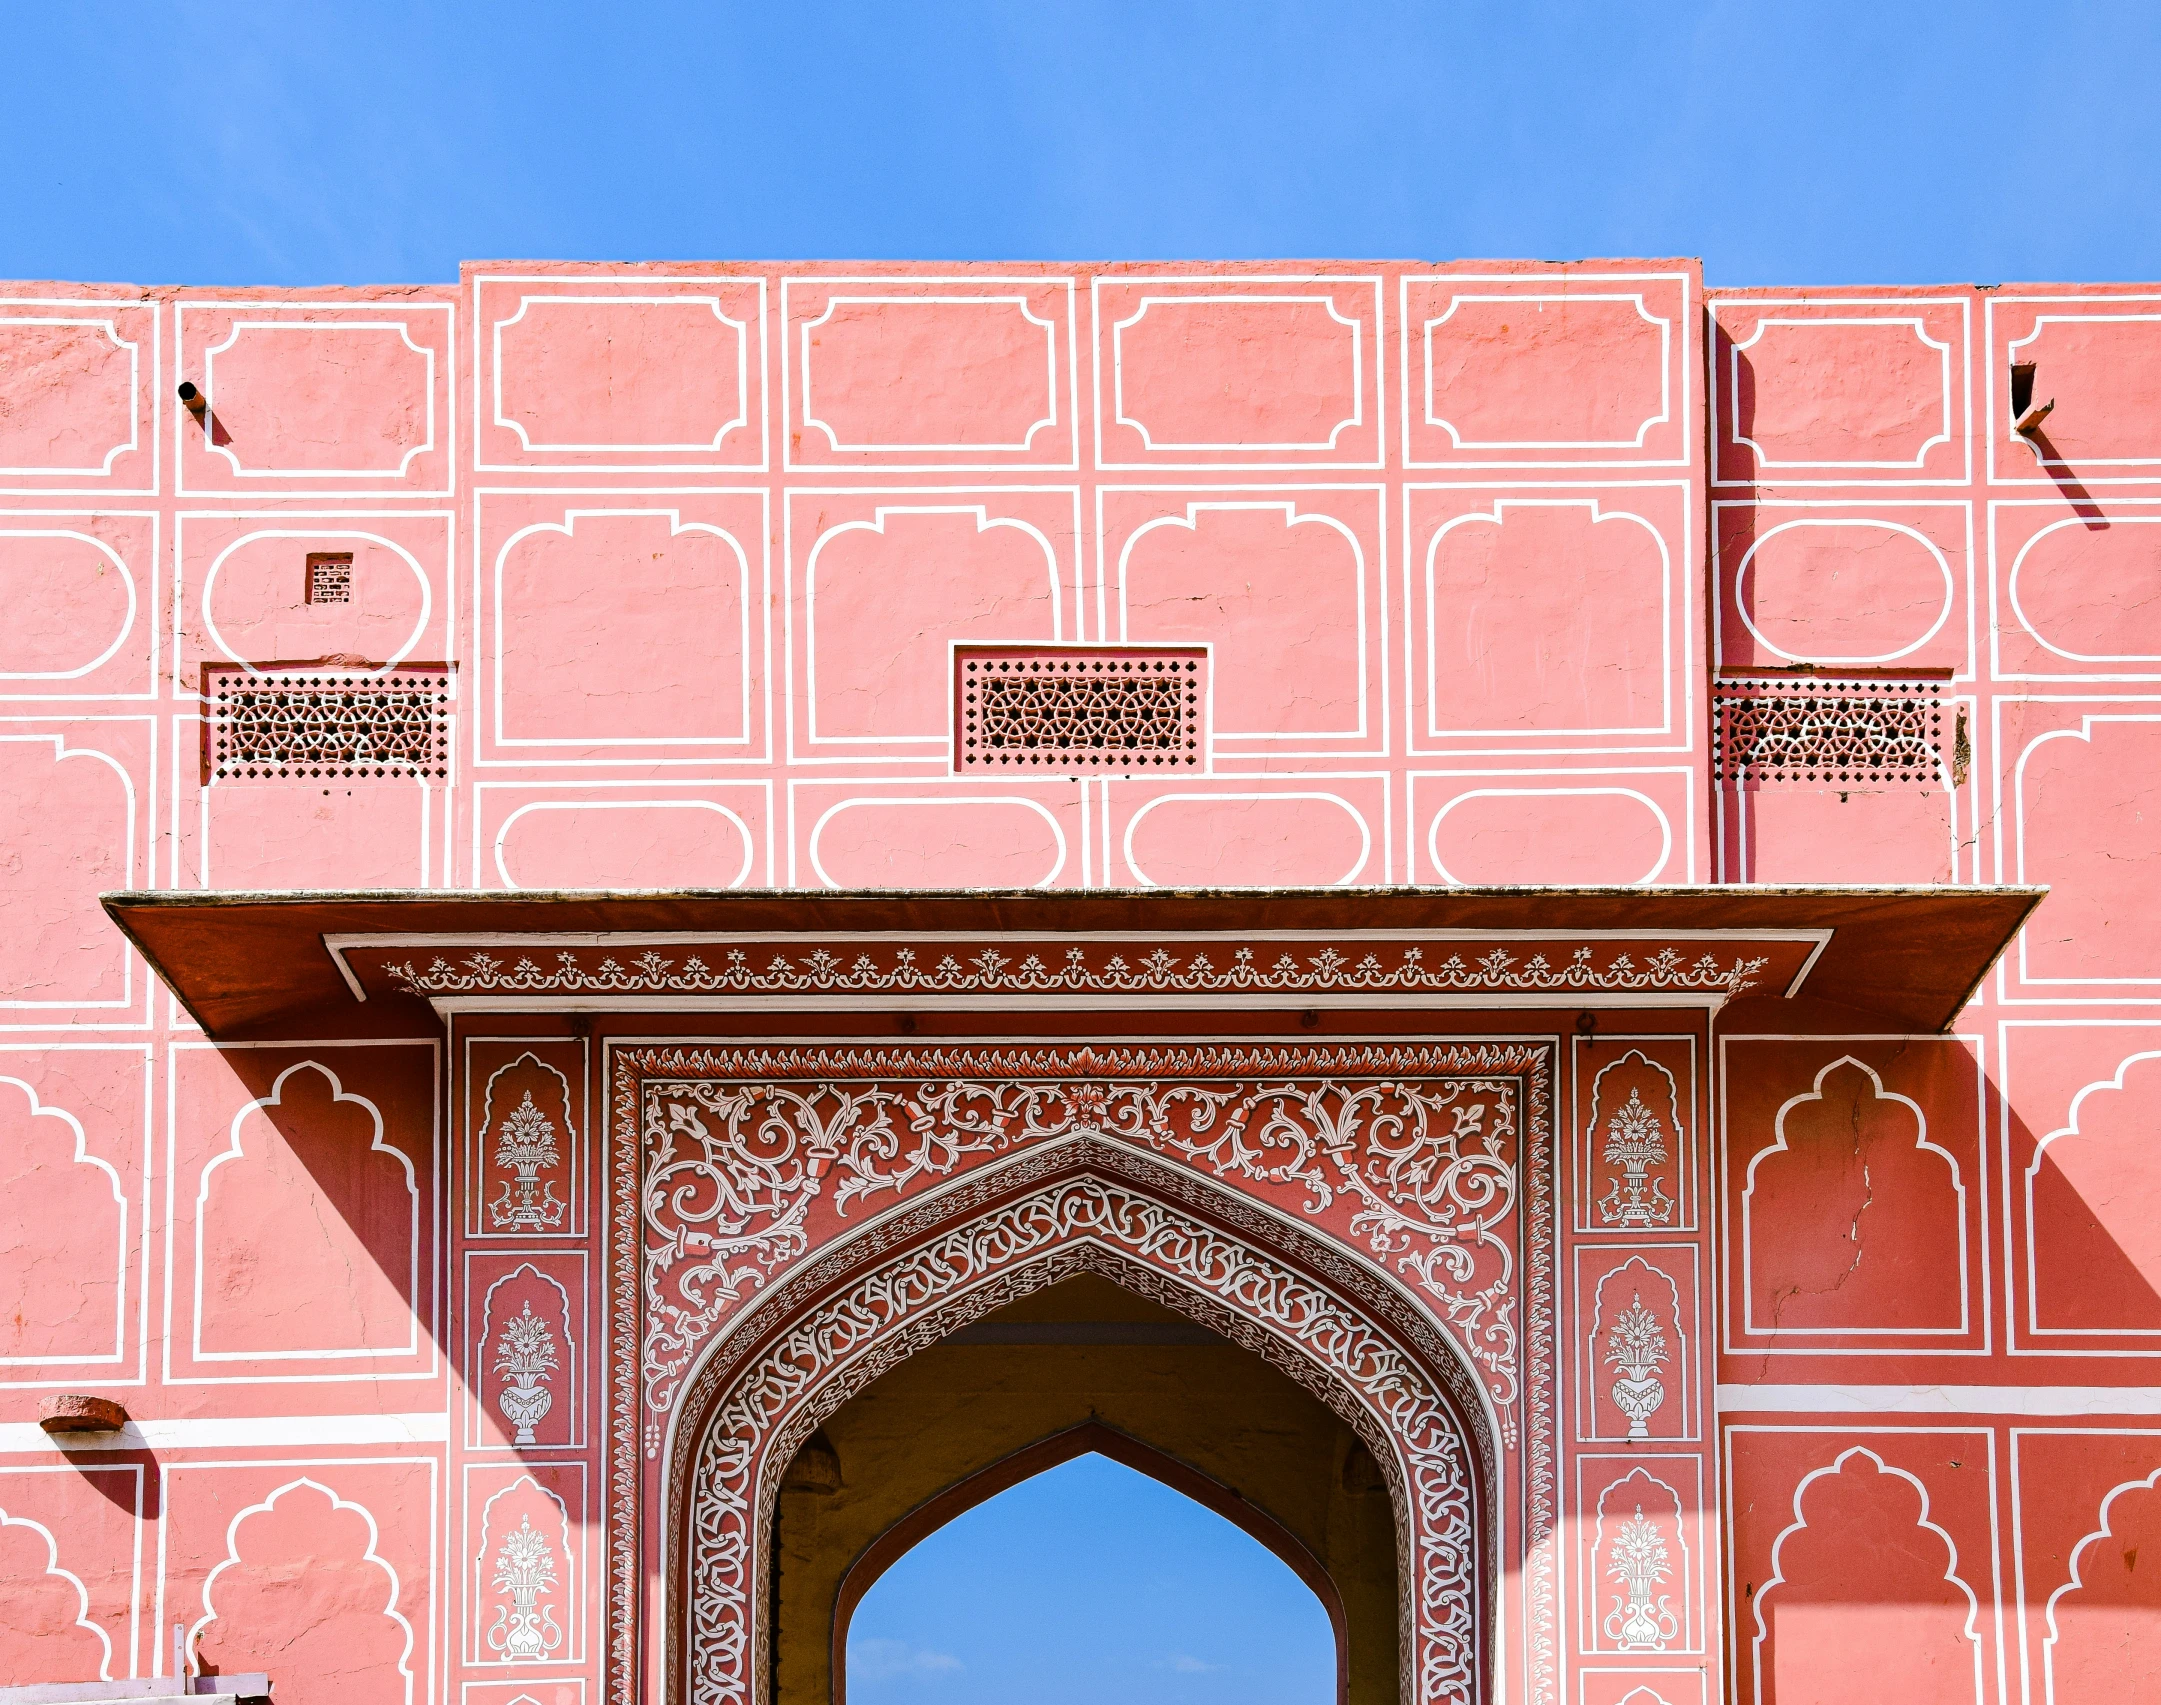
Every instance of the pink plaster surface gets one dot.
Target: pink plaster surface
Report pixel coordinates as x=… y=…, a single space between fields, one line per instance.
x=1470 y=548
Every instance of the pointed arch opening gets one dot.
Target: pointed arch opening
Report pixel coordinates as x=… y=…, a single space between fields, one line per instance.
x=899 y=1545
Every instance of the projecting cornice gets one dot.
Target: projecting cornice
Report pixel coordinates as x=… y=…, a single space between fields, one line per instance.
x=387 y=962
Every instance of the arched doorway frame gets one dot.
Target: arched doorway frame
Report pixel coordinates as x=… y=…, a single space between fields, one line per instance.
x=1074 y=1205
x=1090 y=1437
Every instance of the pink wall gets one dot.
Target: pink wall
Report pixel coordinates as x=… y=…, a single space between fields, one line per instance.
x=1469 y=548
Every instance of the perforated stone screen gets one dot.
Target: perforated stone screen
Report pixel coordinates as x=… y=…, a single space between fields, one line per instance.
x=1828 y=728
x=291 y=724
x=1080 y=709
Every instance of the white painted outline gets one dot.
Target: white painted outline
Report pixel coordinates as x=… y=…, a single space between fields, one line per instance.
x=873 y=456
x=712 y=791
x=2013 y=1401
x=73 y=1473
x=443 y=442
x=1513 y=283
x=1263 y=287
x=62 y=751
x=932 y=746
x=427 y=1369
x=1863 y=513
x=127 y=622
x=405 y=335
x=758 y=665
x=1665 y=824
x=2018 y=609
x=396 y=657
x=1721 y=388
x=1779 y=1145
x=2040 y=323
x=2140 y=1400
x=1733 y=1275
x=1741 y=600
x=1688 y=1132
x=1971 y=1631
x=1365 y=831
x=83 y=1156
x=750 y=846
x=1566 y=298
x=136 y=603
x=2084 y=734
x=811 y=420
x=741 y=329
x=1497 y=517
x=677 y=527
x=1423 y=784
x=135 y=385
x=810 y=845
x=571 y=1589
x=2077 y=1581
x=2003 y=449
x=1356 y=418
x=478 y=1349
x=100 y=307
x=82 y=1593
x=2019 y=1437
x=1736 y=438
x=235 y=1150
x=232 y=1557
x=599 y=279
x=2070 y=1128
x=1288 y=507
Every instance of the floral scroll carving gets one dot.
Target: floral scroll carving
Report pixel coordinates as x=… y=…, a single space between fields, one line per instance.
x=1425 y=1165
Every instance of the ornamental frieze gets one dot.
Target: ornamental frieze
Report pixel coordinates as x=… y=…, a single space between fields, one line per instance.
x=1348 y=967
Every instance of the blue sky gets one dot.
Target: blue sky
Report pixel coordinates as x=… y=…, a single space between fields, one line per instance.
x=1086 y=1584
x=303 y=142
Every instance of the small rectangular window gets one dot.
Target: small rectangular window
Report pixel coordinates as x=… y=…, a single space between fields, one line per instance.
x=330 y=577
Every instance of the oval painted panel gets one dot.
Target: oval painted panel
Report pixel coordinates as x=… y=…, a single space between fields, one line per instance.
x=1564 y=836
x=69 y=602
x=630 y=843
x=2092 y=593
x=256 y=609
x=1293 y=840
x=937 y=843
x=1843 y=591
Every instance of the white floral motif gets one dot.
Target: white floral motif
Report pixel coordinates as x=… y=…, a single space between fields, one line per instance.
x=1635 y=1142
x=1636 y=1345
x=525 y=1142
x=526 y=1353
x=1638 y=1559
x=525 y=1631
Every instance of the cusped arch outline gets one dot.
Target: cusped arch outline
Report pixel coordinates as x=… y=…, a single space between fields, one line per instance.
x=1921 y=1144
x=1970 y=1631
x=1076 y=1205
x=192 y=1637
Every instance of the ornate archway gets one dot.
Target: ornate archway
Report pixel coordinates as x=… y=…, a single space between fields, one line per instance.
x=1078 y=1204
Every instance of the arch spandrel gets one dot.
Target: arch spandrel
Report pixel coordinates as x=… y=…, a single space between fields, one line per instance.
x=1390 y=1201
